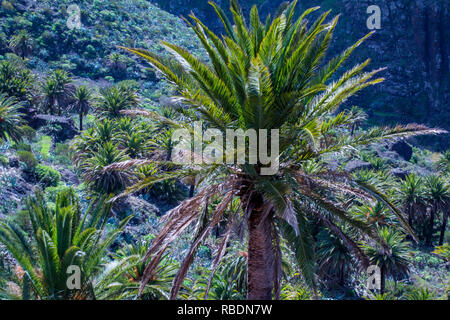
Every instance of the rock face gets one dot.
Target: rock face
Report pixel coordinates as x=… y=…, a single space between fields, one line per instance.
x=63 y=128
x=357 y=165
x=403 y=149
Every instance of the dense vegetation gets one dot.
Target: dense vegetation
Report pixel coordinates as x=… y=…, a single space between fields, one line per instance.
x=87 y=177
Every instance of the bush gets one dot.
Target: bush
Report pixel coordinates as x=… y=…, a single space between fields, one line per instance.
x=48 y=176
x=52 y=192
x=29 y=133
x=4 y=161
x=45 y=144
x=28 y=159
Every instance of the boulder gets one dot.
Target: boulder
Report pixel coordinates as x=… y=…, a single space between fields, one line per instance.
x=400 y=173
x=64 y=127
x=143 y=223
x=403 y=149
x=14 y=162
x=355 y=165
x=68 y=176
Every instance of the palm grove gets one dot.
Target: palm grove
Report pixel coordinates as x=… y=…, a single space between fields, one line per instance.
x=326 y=222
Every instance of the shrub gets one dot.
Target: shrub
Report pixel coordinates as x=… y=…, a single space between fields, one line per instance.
x=4 y=161
x=28 y=132
x=48 y=176
x=28 y=159
x=45 y=144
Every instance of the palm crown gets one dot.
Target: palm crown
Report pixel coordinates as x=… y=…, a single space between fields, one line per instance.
x=269 y=76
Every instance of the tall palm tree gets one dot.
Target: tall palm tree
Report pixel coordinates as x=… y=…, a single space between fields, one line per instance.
x=268 y=76
x=438 y=194
x=411 y=195
x=395 y=260
x=10 y=119
x=443 y=164
x=60 y=237
x=21 y=43
x=58 y=89
x=83 y=98
x=115 y=100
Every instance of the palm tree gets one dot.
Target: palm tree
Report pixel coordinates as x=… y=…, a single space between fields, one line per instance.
x=443 y=164
x=60 y=237
x=267 y=76
x=393 y=262
x=117 y=63
x=58 y=89
x=83 y=98
x=115 y=100
x=21 y=43
x=121 y=277
x=438 y=194
x=10 y=119
x=106 y=182
x=411 y=194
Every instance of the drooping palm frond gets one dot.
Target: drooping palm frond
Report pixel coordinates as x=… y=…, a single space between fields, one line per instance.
x=10 y=119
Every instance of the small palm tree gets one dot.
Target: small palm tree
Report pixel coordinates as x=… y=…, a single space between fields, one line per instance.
x=83 y=98
x=121 y=278
x=16 y=80
x=106 y=182
x=116 y=61
x=10 y=119
x=443 y=164
x=394 y=260
x=437 y=191
x=377 y=214
x=334 y=258
x=60 y=238
x=115 y=100
x=58 y=89
x=21 y=43
x=411 y=194
x=268 y=76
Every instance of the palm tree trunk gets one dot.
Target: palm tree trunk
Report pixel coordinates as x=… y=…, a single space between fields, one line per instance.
x=430 y=226
x=81 y=121
x=261 y=259
x=443 y=227
x=382 y=279
x=191 y=190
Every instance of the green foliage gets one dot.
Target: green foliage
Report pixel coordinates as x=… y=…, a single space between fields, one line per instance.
x=106 y=182
x=28 y=133
x=47 y=176
x=58 y=90
x=10 y=119
x=15 y=80
x=114 y=100
x=295 y=292
x=121 y=277
x=61 y=237
x=4 y=161
x=28 y=159
x=271 y=76
x=45 y=144
x=421 y=294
